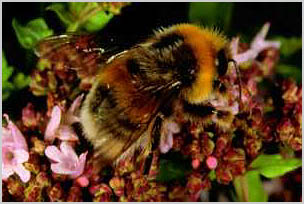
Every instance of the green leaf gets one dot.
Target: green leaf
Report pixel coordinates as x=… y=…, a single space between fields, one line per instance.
x=249 y=187
x=97 y=22
x=21 y=81
x=289 y=46
x=287 y=71
x=211 y=14
x=6 y=85
x=6 y=70
x=81 y=15
x=61 y=10
x=32 y=32
x=272 y=166
x=77 y=7
x=173 y=168
x=7 y=88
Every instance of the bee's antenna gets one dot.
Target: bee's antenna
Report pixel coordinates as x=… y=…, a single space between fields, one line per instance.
x=239 y=79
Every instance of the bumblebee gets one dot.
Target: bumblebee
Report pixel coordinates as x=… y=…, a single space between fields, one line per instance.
x=137 y=88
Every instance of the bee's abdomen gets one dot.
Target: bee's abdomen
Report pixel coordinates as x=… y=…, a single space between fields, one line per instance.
x=105 y=125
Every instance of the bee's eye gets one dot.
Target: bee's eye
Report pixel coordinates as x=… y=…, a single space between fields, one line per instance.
x=221 y=63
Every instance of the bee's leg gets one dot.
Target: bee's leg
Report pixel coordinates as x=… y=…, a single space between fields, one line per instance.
x=146 y=162
x=156 y=131
x=164 y=129
x=162 y=136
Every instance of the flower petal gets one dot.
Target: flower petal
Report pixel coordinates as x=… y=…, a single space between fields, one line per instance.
x=7 y=171
x=166 y=142
x=234 y=44
x=53 y=153
x=69 y=152
x=261 y=34
x=21 y=156
x=53 y=124
x=17 y=136
x=76 y=103
x=7 y=156
x=166 y=139
x=83 y=181
x=7 y=137
x=173 y=127
x=256 y=46
x=80 y=166
x=82 y=159
x=66 y=133
x=61 y=168
x=76 y=173
x=24 y=174
x=71 y=116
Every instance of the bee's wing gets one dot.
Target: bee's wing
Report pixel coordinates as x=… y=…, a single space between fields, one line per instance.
x=71 y=52
x=45 y=47
x=74 y=51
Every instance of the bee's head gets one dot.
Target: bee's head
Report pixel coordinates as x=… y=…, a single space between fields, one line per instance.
x=183 y=58
x=198 y=56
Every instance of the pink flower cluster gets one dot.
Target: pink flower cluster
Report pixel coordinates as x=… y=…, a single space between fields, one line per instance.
x=60 y=126
x=14 y=152
x=64 y=161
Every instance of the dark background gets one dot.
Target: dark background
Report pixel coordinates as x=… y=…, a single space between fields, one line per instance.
x=134 y=24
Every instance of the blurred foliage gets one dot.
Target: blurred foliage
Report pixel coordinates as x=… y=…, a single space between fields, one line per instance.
x=12 y=82
x=212 y=175
x=272 y=166
x=287 y=70
x=289 y=46
x=32 y=32
x=7 y=71
x=76 y=16
x=287 y=66
x=249 y=187
x=211 y=14
x=90 y=16
x=171 y=169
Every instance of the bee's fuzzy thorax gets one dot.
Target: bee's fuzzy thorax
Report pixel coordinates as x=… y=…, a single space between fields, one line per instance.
x=205 y=43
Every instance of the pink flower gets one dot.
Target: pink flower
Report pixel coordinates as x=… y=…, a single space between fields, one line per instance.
x=211 y=162
x=65 y=160
x=72 y=113
x=29 y=117
x=14 y=152
x=195 y=163
x=59 y=125
x=83 y=181
x=257 y=45
x=166 y=141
